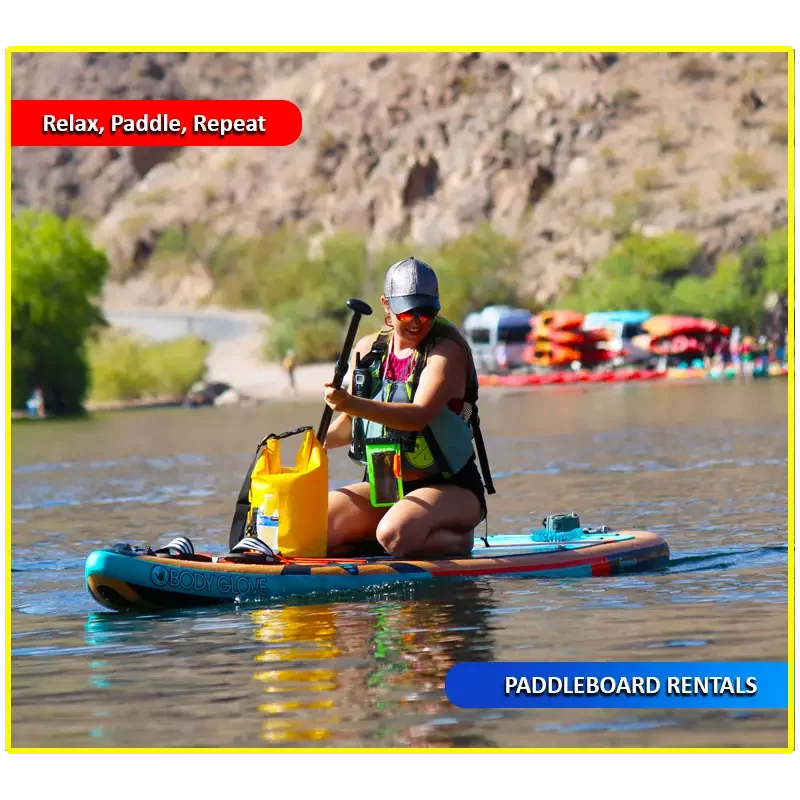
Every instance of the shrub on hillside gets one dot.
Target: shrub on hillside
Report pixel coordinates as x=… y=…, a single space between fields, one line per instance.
x=736 y=292
x=637 y=273
x=124 y=367
x=478 y=269
x=656 y=274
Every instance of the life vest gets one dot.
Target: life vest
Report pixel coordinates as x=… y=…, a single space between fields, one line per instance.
x=446 y=445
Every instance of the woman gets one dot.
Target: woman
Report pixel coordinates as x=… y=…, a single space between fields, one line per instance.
x=422 y=391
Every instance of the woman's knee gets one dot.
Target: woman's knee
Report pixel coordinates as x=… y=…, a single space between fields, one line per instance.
x=404 y=531
x=350 y=516
x=341 y=512
x=398 y=535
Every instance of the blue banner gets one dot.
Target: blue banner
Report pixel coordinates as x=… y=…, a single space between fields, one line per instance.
x=628 y=684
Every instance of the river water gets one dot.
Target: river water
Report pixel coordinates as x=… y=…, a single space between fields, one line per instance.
x=704 y=465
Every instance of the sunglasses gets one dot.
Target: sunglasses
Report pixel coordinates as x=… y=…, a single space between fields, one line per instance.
x=423 y=314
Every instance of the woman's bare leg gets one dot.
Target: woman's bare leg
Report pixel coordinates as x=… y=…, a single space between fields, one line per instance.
x=432 y=522
x=351 y=518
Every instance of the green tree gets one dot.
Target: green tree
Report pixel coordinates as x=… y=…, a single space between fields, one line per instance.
x=308 y=310
x=476 y=270
x=723 y=296
x=656 y=274
x=55 y=274
x=638 y=273
x=479 y=269
x=735 y=293
x=771 y=254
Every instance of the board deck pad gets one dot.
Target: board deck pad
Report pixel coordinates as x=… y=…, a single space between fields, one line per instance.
x=499 y=545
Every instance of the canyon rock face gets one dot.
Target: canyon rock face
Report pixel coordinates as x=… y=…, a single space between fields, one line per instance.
x=562 y=151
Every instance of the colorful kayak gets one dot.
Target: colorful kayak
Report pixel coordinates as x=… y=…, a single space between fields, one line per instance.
x=667 y=325
x=562 y=319
x=125 y=578
x=557 y=339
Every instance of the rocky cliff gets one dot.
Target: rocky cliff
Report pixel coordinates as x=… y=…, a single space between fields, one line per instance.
x=564 y=151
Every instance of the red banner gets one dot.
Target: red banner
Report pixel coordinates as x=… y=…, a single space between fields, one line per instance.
x=154 y=123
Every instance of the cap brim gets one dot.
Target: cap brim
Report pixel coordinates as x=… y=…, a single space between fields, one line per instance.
x=399 y=305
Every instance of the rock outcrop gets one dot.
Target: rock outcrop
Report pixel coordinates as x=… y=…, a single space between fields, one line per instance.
x=564 y=151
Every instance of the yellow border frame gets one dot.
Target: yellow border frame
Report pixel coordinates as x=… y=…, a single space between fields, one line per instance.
x=417 y=49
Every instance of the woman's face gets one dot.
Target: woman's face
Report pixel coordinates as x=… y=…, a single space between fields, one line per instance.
x=413 y=325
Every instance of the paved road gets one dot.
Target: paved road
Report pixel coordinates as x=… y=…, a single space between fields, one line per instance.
x=213 y=326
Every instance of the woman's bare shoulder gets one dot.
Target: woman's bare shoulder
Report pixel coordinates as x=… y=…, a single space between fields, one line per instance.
x=364 y=344
x=447 y=348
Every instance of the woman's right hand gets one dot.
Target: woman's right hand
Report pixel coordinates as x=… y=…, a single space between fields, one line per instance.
x=337 y=399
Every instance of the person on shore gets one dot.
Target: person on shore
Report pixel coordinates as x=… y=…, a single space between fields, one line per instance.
x=781 y=350
x=289 y=365
x=416 y=394
x=747 y=356
x=35 y=403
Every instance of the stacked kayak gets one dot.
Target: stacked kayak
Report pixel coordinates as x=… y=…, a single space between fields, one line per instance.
x=688 y=337
x=557 y=339
x=129 y=578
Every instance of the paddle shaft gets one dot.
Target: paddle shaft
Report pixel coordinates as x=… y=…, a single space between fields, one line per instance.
x=359 y=308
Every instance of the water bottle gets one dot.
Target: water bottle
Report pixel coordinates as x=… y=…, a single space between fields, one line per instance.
x=267 y=520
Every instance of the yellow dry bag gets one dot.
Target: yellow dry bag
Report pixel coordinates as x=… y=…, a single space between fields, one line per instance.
x=300 y=493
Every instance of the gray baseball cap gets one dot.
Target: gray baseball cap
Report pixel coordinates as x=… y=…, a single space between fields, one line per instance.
x=411 y=283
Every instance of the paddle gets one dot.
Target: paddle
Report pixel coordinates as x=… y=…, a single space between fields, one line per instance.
x=359 y=308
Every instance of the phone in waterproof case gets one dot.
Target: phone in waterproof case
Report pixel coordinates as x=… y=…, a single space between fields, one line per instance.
x=385 y=474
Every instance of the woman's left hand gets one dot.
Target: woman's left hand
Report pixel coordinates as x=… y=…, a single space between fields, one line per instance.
x=337 y=399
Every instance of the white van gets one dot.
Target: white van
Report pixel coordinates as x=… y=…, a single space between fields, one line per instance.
x=497 y=336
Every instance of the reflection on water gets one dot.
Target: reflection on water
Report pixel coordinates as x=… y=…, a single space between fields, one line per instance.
x=329 y=674
x=296 y=640
x=705 y=466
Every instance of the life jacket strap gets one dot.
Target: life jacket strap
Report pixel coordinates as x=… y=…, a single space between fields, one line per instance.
x=470 y=397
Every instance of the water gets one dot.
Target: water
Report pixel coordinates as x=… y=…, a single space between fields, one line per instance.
x=704 y=465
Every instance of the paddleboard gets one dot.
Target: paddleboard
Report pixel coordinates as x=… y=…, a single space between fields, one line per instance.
x=125 y=577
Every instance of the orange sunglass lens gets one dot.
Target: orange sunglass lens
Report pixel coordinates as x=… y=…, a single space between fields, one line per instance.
x=407 y=316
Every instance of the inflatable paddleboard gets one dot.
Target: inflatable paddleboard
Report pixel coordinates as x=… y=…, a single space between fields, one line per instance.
x=128 y=578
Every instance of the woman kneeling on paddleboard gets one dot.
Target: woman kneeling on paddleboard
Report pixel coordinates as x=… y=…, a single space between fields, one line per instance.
x=410 y=420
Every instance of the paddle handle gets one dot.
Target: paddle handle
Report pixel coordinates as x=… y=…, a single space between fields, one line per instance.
x=359 y=309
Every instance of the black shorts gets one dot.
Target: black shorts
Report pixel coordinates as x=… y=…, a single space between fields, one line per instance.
x=468 y=477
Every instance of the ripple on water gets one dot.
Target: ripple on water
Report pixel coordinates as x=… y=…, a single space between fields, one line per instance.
x=621 y=724
x=679 y=643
